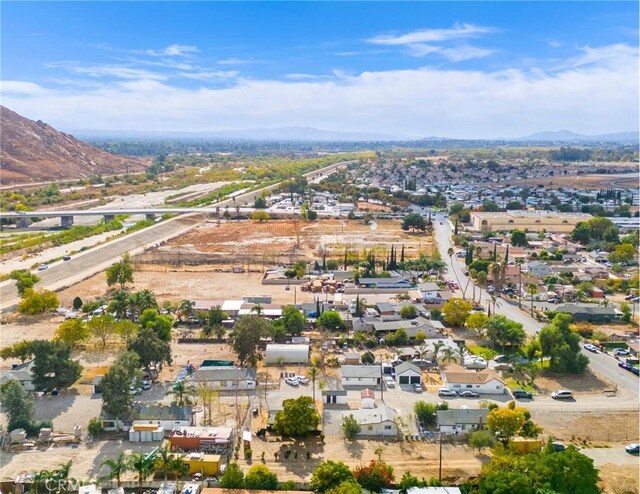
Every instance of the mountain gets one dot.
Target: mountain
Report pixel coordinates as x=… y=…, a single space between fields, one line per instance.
x=36 y=152
x=568 y=136
x=309 y=134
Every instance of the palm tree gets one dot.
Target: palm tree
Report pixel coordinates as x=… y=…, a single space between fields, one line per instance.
x=41 y=479
x=532 y=289
x=147 y=300
x=185 y=309
x=181 y=390
x=119 y=304
x=179 y=467
x=207 y=395
x=313 y=374
x=118 y=467
x=449 y=354
x=142 y=466
x=163 y=462
x=257 y=309
x=437 y=345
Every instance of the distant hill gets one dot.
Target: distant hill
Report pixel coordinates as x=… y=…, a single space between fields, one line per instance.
x=568 y=136
x=36 y=152
x=308 y=134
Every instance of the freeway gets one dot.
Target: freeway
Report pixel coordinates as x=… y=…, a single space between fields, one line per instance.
x=601 y=364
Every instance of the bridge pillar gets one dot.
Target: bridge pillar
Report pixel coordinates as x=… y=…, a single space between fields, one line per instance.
x=66 y=221
x=150 y=216
x=109 y=218
x=23 y=222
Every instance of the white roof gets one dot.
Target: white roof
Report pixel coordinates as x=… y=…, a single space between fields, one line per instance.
x=233 y=305
x=370 y=416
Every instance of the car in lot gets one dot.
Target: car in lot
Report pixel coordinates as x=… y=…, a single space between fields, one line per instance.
x=558 y=446
x=501 y=358
x=635 y=370
x=620 y=351
x=446 y=392
x=417 y=387
x=562 y=394
x=632 y=449
x=292 y=381
x=42 y=267
x=302 y=380
x=388 y=380
x=469 y=394
x=591 y=348
x=146 y=384
x=522 y=393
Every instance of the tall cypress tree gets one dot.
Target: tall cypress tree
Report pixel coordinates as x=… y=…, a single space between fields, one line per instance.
x=495 y=252
x=506 y=255
x=402 y=254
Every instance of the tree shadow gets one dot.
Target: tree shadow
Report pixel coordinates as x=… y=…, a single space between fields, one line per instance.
x=301 y=456
x=354 y=448
x=48 y=407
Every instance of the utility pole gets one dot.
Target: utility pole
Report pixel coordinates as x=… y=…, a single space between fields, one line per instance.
x=440 y=460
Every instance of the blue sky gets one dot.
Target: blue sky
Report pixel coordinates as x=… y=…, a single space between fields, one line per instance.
x=457 y=69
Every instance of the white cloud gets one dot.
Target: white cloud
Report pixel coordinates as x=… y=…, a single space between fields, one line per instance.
x=174 y=50
x=459 y=31
x=111 y=71
x=455 y=54
x=554 y=44
x=210 y=75
x=594 y=93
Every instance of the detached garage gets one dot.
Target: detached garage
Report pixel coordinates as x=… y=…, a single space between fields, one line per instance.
x=287 y=354
x=408 y=373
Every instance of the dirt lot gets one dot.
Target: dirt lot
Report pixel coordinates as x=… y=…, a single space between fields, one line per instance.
x=619 y=479
x=582 y=181
x=592 y=427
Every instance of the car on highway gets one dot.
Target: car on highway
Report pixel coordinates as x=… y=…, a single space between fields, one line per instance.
x=522 y=393
x=562 y=394
x=292 y=381
x=469 y=394
x=620 y=351
x=446 y=392
x=417 y=387
x=42 y=267
x=591 y=348
x=632 y=449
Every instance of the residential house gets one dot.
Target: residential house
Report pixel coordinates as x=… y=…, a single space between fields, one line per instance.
x=408 y=373
x=226 y=378
x=375 y=422
x=388 y=312
x=360 y=375
x=482 y=382
x=395 y=283
x=588 y=313
x=411 y=326
x=538 y=269
x=430 y=293
x=167 y=417
x=461 y=420
x=433 y=490
x=364 y=323
x=22 y=374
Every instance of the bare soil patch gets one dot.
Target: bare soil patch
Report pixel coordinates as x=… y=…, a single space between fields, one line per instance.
x=592 y=427
x=585 y=383
x=581 y=181
x=370 y=206
x=619 y=479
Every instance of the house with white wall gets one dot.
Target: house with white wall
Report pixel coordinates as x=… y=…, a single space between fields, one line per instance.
x=482 y=382
x=461 y=420
x=375 y=421
x=226 y=378
x=361 y=375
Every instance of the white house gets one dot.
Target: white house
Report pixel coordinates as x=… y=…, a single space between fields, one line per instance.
x=367 y=398
x=408 y=373
x=334 y=396
x=165 y=416
x=361 y=375
x=412 y=327
x=20 y=373
x=482 y=382
x=375 y=422
x=226 y=378
x=286 y=354
x=461 y=420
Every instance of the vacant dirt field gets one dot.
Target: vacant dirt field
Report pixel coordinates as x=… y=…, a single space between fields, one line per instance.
x=619 y=479
x=583 y=181
x=271 y=239
x=592 y=427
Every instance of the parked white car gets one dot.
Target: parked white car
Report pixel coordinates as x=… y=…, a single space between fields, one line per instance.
x=388 y=380
x=292 y=381
x=620 y=351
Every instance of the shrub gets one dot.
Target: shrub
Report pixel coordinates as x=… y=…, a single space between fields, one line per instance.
x=95 y=427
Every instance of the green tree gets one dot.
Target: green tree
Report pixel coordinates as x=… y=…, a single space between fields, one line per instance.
x=505 y=422
x=490 y=207
x=185 y=309
x=77 y=303
x=622 y=253
x=160 y=324
x=246 y=335
x=562 y=346
x=293 y=320
x=22 y=350
x=331 y=321
x=519 y=238
x=53 y=366
x=413 y=222
x=350 y=427
x=121 y=272
x=102 y=327
x=408 y=312
x=24 y=279
x=232 y=478
x=329 y=475
x=116 y=400
x=127 y=330
x=346 y=487
x=375 y=476
x=119 y=304
x=17 y=404
x=95 y=427
x=72 y=331
x=502 y=332
x=476 y=321
x=117 y=467
x=150 y=348
x=37 y=302
x=297 y=418
x=259 y=477
x=482 y=439
x=456 y=311
x=260 y=203
x=143 y=467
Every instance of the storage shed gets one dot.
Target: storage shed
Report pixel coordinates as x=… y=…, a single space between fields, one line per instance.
x=287 y=354
x=367 y=398
x=334 y=396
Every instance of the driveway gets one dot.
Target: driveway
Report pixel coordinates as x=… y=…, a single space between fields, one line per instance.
x=615 y=456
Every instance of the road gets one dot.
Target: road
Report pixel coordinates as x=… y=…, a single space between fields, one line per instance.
x=601 y=364
x=85 y=264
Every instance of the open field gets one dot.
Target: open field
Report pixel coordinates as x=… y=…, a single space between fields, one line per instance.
x=595 y=181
